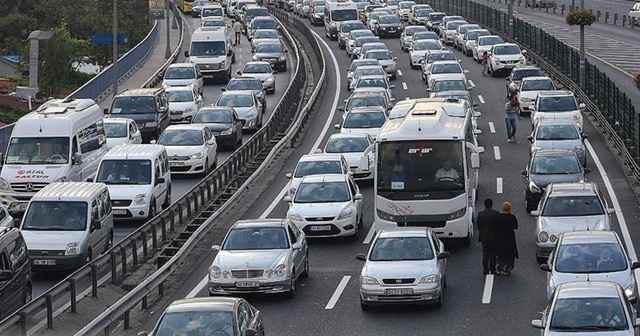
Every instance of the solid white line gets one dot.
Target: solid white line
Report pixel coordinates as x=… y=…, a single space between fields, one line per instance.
x=492 y=127
x=336 y=295
x=471 y=83
x=198 y=288
x=499 y=185
x=496 y=152
x=488 y=289
x=275 y=202
x=370 y=234
x=404 y=86
x=399 y=72
x=481 y=99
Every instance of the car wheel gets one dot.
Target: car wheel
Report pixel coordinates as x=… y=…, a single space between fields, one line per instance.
x=109 y=242
x=529 y=206
x=356 y=232
x=88 y=257
x=206 y=168
x=292 y=292
x=305 y=273
x=152 y=210
x=167 y=199
x=361 y=222
x=28 y=295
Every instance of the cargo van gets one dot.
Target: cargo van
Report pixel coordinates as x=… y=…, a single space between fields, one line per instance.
x=212 y=51
x=61 y=141
x=67 y=225
x=336 y=12
x=139 y=180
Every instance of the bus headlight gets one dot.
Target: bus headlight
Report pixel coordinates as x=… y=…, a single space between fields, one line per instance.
x=384 y=215
x=458 y=213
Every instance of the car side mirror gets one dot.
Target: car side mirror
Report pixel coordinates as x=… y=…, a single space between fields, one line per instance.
x=508 y=79
x=470 y=88
x=6 y=275
x=186 y=53
x=475 y=160
x=199 y=76
x=250 y=331
x=587 y=170
x=296 y=246
x=336 y=126
x=215 y=247
x=90 y=179
x=637 y=322
x=230 y=52
x=160 y=75
x=95 y=225
x=77 y=159
x=357 y=197
x=361 y=257
x=545 y=267
x=239 y=72
x=584 y=136
x=524 y=51
x=143 y=333
x=635 y=264
x=444 y=255
x=288 y=175
x=535 y=213
x=537 y=323
x=392 y=86
x=530 y=138
x=105 y=111
x=582 y=105
x=476 y=105
x=286 y=51
x=524 y=173
x=465 y=71
x=287 y=199
x=318 y=151
x=340 y=108
x=395 y=58
x=160 y=180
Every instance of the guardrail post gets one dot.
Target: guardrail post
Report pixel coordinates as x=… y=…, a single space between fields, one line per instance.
x=123 y=257
x=145 y=251
x=114 y=263
x=49 y=303
x=23 y=323
x=163 y=227
x=180 y=216
x=126 y=320
x=154 y=236
x=134 y=251
x=72 y=284
x=624 y=21
x=144 y=302
x=94 y=281
x=161 y=289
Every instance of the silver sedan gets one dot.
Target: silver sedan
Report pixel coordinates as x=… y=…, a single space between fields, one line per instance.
x=260 y=256
x=558 y=134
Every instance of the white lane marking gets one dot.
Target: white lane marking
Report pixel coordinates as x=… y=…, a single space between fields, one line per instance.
x=198 y=288
x=399 y=72
x=481 y=99
x=496 y=152
x=499 y=185
x=275 y=202
x=492 y=127
x=471 y=83
x=488 y=289
x=336 y=295
x=370 y=234
x=404 y=86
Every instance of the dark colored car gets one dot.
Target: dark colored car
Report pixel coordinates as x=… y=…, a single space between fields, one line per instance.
x=388 y=25
x=345 y=29
x=148 y=107
x=15 y=272
x=223 y=122
x=248 y=83
x=550 y=166
x=274 y=53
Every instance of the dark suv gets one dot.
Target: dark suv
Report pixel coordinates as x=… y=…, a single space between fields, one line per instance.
x=15 y=272
x=148 y=107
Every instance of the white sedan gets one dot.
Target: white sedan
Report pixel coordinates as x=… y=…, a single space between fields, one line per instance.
x=357 y=149
x=184 y=102
x=367 y=120
x=121 y=131
x=191 y=149
x=263 y=71
x=420 y=48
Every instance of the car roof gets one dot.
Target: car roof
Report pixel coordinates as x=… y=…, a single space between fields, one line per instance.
x=348 y=135
x=181 y=65
x=553 y=152
x=555 y=93
x=505 y=44
x=324 y=178
x=551 y=122
x=372 y=77
x=589 y=237
x=262 y=222
x=116 y=120
x=592 y=289
x=191 y=127
x=257 y=62
x=366 y=109
x=442 y=94
x=573 y=189
x=446 y=62
x=532 y=78
x=365 y=67
x=238 y=92
x=525 y=67
x=203 y=304
x=320 y=157
x=405 y=232
x=179 y=88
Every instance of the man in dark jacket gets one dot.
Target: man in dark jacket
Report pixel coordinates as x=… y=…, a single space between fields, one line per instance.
x=486 y=223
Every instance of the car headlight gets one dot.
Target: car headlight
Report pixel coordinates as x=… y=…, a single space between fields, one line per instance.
x=433 y=278
x=383 y=28
x=226 y=274
x=72 y=249
x=227 y=132
x=522 y=59
x=282 y=58
x=189 y=110
x=255 y=57
x=151 y=124
x=346 y=214
x=365 y=280
x=534 y=188
x=630 y=290
x=140 y=199
x=576 y=117
x=196 y=156
x=553 y=238
x=333 y=24
x=384 y=215
x=294 y=216
x=458 y=213
x=525 y=100
x=4 y=185
x=269 y=80
x=280 y=271
x=543 y=237
x=222 y=64
x=578 y=149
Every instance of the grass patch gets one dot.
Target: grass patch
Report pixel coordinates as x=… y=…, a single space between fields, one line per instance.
x=9 y=115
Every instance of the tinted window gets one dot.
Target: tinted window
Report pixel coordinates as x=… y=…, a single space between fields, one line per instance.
x=573 y=206
x=346 y=145
x=322 y=192
x=124 y=172
x=317 y=167
x=235 y=100
x=401 y=248
x=181 y=138
x=256 y=239
x=590 y=258
x=555 y=164
x=588 y=314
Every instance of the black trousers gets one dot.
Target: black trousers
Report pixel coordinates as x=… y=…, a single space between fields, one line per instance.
x=489 y=257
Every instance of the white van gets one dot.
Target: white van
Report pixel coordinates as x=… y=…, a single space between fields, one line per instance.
x=138 y=178
x=336 y=12
x=62 y=141
x=212 y=51
x=212 y=10
x=68 y=224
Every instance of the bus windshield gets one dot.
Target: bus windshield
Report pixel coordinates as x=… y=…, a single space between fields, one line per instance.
x=339 y=15
x=24 y=151
x=420 y=169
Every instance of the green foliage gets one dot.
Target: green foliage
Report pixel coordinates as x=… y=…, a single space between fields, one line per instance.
x=19 y=80
x=580 y=18
x=10 y=115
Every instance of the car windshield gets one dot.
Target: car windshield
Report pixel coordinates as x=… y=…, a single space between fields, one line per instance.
x=572 y=206
x=406 y=5
x=363 y=62
x=446 y=56
x=364 y=120
x=346 y=145
x=426 y=45
x=379 y=55
x=389 y=19
x=263 y=24
x=214 y=23
x=520 y=74
x=446 y=68
x=425 y=36
x=339 y=15
x=26 y=151
x=473 y=35
x=124 y=172
x=305 y=168
x=269 y=48
x=319 y=10
x=557 y=132
x=365 y=101
x=180 y=73
x=244 y=84
x=555 y=164
x=489 y=41
x=199 y=3
x=588 y=314
x=348 y=27
x=360 y=33
x=393 y=2
x=453 y=25
x=401 y=248
x=266 y=238
x=235 y=100
x=464 y=29
x=185 y=322
x=181 y=96
x=461 y=96
x=257 y=68
x=537 y=85
x=181 y=138
x=436 y=17
x=204 y=49
x=266 y=34
x=369 y=71
x=115 y=129
x=557 y=104
x=362 y=40
x=409 y=31
x=371 y=82
x=421 y=13
x=253 y=12
x=133 y=105
x=322 y=192
x=448 y=85
x=211 y=115
x=506 y=50
x=55 y=216
x=590 y=258
x=215 y=11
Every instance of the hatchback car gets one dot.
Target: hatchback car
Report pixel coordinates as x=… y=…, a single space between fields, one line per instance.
x=265 y=36
x=434 y=56
x=461 y=32
x=262 y=71
x=434 y=20
x=446 y=69
x=367 y=120
x=505 y=57
x=366 y=99
x=550 y=166
x=260 y=256
x=407 y=36
x=246 y=103
x=356 y=149
x=557 y=105
x=591 y=256
x=388 y=25
x=355 y=64
x=327 y=206
x=373 y=81
x=224 y=124
x=528 y=90
x=448 y=31
x=184 y=102
x=419 y=16
x=518 y=74
x=215 y=22
x=359 y=42
x=121 y=131
x=444 y=83
x=588 y=308
x=404 y=266
x=403 y=9
x=346 y=28
x=183 y=74
x=569 y=207
x=15 y=275
x=192 y=149
x=385 y=59
x=562 y=134
x=419 y=49
x=470 y=40
x=353 y=35
x=260 y=22
x=248 y=84
x=424 y=35
x=274 y=53
x=483 y=44
x=316 y=164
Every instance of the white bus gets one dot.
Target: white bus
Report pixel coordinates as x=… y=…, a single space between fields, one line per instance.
x=336 y=12
x=427 y=168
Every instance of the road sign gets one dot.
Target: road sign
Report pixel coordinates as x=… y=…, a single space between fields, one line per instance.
x=100 y=39
x=156 y=9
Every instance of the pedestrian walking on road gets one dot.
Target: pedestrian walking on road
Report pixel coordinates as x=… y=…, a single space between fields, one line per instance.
x=486 y=222
x=506 y=246
x=237 y=27
x=512 y=110
x=485 y=61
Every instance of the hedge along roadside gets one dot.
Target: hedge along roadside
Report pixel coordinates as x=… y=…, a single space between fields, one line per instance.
x=102 y=324
x=142 y=244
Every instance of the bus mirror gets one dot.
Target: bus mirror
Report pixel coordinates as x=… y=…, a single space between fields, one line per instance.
x=475 y=160
x=364 y=163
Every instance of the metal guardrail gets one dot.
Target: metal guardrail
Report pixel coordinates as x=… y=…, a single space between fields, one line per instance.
x=102 y=324
x=609 y=106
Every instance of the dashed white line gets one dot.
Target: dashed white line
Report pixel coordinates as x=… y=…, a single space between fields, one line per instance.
x=481 y=99
x=488 y=289
x=492 y=127
x=499 y=185
x=198 y=288
x=336 y=295
x=496 y=152
x=471 y=83
x=404 y=86
x=399 y=72
x=370 y=234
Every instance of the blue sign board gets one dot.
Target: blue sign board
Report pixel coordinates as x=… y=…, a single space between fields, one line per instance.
x=108 y=39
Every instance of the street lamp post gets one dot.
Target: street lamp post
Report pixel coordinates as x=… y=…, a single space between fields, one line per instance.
x=510 y=11
x=582 y=54
x=114 y=55
x=167 y=52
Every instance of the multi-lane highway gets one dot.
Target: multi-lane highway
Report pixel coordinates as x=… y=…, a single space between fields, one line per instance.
x=181 y=183
x=328 y=301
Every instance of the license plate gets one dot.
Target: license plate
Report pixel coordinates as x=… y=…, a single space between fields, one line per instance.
x=176 y=164
x=119 y=212
x=392 y=30
x=320 y=228
x=207 y=76
x=47 y=262
x=248 y=284
x=399 y=291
